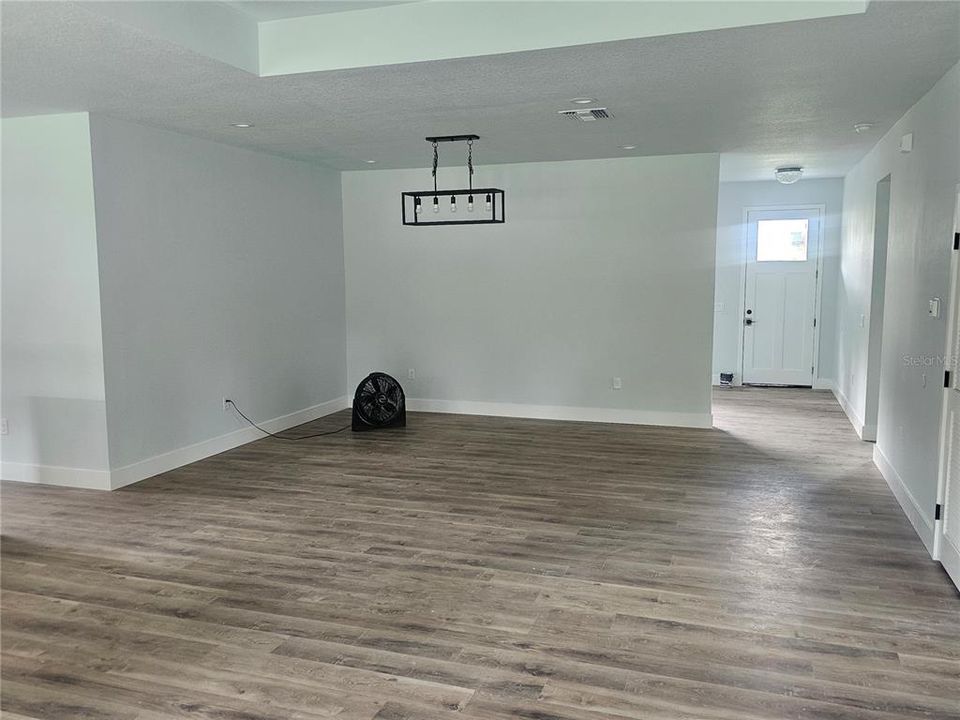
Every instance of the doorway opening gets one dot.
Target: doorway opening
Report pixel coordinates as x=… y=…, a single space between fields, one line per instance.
x=781 y=290
x=881 y=231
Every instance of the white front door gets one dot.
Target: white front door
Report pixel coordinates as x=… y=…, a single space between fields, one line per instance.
x=947 y=540
x=783 y=247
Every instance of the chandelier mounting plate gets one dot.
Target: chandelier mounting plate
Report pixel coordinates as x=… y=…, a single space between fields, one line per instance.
x=451 y=138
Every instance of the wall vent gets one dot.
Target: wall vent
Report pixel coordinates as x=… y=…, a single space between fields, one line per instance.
x=587 y=115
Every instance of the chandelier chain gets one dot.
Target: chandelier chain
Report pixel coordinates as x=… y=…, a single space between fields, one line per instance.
x=436 y=161
x=470 y=161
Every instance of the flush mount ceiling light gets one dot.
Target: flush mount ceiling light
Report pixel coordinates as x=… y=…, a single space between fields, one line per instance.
x=242 y=126
x=412 y=202
x=370 y=162
x=628 y=147
x=788 y=175
x=863 y=127
x=582 y=101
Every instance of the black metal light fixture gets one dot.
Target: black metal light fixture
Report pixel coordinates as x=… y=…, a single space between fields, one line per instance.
x=413 y=205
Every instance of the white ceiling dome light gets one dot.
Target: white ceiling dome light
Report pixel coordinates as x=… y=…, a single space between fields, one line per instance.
x=788 y=174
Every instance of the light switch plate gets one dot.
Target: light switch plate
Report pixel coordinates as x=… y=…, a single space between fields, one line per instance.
x=906 y=143
x=934 y=307
x=617 y=384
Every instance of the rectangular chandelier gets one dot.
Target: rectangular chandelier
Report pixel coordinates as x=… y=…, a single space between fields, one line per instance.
x=473 y=206
x=464 y=206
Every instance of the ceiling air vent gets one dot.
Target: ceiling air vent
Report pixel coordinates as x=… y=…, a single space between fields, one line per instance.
x=587 y=115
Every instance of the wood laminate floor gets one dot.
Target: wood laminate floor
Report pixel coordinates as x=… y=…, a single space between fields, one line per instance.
x=471 y=567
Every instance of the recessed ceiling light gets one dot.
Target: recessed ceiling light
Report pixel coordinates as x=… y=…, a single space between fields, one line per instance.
x=628 y=147
x=241 y=125
x=370 y=162
x=582 y=101
x=863 y=127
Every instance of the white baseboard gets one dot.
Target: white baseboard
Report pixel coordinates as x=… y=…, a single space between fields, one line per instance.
x=922 y=521
x=144 y=469
x=55 y=475
x=867 y=433
x=119 y=477
x=561 y=412
x=852 y=415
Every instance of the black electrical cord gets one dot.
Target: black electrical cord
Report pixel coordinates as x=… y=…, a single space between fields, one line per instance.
x=280 y=437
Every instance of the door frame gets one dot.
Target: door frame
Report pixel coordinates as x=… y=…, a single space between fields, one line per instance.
x=950 y=363
x=821 y=211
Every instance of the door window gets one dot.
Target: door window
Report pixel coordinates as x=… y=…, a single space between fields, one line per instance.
x=782 y=240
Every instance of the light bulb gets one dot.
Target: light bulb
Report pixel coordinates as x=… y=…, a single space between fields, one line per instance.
x=469 y=203
x=436 y=204
x=418 y=206
x=488 y=204
x=453 y=203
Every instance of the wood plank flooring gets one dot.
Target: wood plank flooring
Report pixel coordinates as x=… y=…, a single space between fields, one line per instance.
x=471 y=567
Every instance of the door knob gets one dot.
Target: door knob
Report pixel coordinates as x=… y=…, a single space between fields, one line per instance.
x=748 y=321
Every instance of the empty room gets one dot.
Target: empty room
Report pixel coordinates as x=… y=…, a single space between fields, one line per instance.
x=480 y=359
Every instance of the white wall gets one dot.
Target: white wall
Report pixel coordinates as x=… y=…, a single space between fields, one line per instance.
x=221 y=274
x=923 y=192
x=731 y=252
x=604 y=268
x=881 y=227
x=52 y=380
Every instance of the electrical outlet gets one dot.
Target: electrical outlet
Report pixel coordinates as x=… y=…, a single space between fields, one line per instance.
x=411 y=374
x=226 y=404
x=4 y=429
x=863 y=320
x=617 y=384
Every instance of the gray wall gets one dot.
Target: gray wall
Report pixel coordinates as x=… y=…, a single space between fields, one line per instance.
x=731 y=252
x=922 y=197
x=604 y=268
x=221 y=275
x=52 y=359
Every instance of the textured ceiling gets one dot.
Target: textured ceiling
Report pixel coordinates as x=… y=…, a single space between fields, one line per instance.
x=267 y=10
x=762 y=96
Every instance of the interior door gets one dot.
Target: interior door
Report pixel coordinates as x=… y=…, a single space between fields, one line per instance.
x=947 y=542
x=783 y=247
